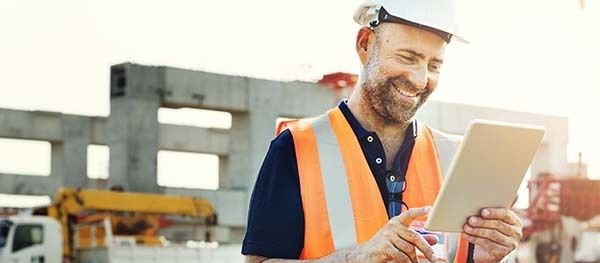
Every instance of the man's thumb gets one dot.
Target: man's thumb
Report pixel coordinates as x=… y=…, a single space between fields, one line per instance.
x=412 y=214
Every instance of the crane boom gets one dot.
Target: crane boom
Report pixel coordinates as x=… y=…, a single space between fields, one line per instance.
x=69 y=202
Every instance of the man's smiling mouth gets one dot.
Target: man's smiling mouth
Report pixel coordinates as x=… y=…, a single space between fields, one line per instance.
x=407 y=92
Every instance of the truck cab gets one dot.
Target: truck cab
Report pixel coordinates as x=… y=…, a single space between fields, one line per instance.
x=30 y=239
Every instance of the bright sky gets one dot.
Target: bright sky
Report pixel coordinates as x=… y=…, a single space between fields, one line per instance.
x=537 y=55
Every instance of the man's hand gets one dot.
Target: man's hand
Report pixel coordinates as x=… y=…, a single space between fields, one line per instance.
x=396 y=242
x=495 y=234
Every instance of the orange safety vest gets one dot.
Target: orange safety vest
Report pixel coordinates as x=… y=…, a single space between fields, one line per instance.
x=337 y=200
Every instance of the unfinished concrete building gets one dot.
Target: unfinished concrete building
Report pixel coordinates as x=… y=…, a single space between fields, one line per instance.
x=134 y=134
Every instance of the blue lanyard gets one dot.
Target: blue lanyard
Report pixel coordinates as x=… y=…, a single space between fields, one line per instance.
x=396 y=186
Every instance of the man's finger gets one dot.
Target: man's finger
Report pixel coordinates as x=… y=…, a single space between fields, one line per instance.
x=498 y=225
x=417 y=241
x=432 y=239
x=406 y=218
x=492 y=248
x=495 y=236
x=407 y=249
x=501 y=214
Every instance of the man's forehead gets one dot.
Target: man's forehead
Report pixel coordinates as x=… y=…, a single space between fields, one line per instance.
x=398 y=37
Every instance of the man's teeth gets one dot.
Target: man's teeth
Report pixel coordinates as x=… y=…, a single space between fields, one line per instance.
x=407 y=93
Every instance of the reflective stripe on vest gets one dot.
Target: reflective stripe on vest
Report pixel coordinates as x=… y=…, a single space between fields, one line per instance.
x=338 y=200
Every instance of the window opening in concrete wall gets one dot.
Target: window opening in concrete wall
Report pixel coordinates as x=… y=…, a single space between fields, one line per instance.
x=98 y=159
x=24 y=201
x=195 y=117
x=188 y=170
x=25 y=157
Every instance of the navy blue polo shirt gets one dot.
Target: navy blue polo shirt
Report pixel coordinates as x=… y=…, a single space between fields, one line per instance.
x=276 y=219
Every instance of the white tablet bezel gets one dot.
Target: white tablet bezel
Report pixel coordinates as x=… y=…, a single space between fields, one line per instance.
x=486 y=171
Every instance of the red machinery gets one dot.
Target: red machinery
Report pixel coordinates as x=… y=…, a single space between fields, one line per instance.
x=552 y=197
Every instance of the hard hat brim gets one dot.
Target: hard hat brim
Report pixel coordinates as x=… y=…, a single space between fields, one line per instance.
x=384 y=16
x=438 y=16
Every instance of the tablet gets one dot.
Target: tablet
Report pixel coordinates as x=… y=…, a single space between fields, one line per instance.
x=486 y=171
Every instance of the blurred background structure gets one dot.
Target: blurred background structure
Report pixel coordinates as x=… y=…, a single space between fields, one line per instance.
x=74 y=115
x=135 y=137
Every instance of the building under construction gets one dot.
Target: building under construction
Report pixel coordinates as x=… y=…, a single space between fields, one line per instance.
x=134 y=136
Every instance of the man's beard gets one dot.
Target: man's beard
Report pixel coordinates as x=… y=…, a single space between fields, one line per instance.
x=382 y=98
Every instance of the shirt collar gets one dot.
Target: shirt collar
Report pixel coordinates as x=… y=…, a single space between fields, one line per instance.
x=361 y=132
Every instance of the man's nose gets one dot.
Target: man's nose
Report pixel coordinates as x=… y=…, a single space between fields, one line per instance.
x=419 y=77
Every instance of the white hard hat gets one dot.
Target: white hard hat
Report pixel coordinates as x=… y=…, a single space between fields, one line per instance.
x=438 y=16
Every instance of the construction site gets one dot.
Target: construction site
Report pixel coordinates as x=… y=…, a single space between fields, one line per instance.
x=171 y=172
x=129 y=216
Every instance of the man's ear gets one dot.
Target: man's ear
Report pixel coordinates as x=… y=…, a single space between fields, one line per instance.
x=364 y=43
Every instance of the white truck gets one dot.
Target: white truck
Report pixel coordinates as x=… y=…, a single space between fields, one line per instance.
x=38 y=239
x=99 y=226
x=30 y=239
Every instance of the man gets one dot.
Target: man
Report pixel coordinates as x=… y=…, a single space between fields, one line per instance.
x=354 y=184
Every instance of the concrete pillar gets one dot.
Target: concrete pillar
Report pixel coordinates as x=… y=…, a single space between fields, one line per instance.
x=262 y=129
x=239 y=156
x=268 y=100
x=224 y=178
x=133 y=128
x=69 y=156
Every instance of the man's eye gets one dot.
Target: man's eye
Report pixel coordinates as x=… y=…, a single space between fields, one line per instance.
x=408 y=59
x=434 y=68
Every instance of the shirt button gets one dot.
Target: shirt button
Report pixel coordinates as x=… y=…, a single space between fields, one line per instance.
x=392 y=178
x=378 y=160
x=370 y=139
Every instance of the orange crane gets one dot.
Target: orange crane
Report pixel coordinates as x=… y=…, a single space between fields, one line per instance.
x=133 y=214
